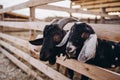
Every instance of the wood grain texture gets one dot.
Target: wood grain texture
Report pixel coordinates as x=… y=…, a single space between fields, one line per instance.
x=20 y=64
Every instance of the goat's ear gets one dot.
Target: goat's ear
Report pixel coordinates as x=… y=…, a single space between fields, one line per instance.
x=85 y=35
x=36 y=42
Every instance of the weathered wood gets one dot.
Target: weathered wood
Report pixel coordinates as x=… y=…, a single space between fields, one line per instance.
x=36 y=63
x=113 y=9
x=1 y=15
x=103 y=5
x=32 y=18
x=15 y=19
x=1 y=18
x=18 y=41
x=103 y=31
x=95 y=2
x=20 y=64
x=25 y=25
x=27 y=4
x=103 y=10
x=91 y=71
x=107 y=31
x=32 y=32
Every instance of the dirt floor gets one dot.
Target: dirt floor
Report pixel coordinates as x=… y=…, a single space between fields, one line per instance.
x=9 y=71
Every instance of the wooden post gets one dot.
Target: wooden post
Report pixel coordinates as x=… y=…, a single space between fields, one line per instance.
x=70 y=8
x=32 y=18
x=32 y=32
x=88 y=20
x=1 y=19
x=96 y=20
x=103 y=10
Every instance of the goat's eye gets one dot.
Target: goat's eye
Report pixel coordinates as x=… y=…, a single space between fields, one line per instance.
x=56 y=38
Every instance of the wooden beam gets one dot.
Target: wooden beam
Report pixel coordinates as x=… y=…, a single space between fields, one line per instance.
x=102 y=5
x=22 y=43
x=91 y=71
x=36 y=63
x=25 y=25
x=114 y=9
x=57 y=8
x=95 y=2
x=27 y=4
x=21 y=65
x=15 y=19
x=1 y=18
x=103 y=10
x=32 y=18
x=19 y=42
x=21 y=16
x=32 y=32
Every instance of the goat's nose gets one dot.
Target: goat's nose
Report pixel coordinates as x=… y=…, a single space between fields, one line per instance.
x=68 y=49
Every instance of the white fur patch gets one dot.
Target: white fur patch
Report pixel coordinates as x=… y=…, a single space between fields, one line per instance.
x=39 y=36
x=113 y=46
x=64 y=40
x=79 y=22
x=89 y=48
x=70 y=45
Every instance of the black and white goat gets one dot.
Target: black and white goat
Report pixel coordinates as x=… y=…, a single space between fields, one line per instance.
x=84 y=45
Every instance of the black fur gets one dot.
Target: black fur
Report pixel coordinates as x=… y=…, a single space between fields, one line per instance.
x=49 y=51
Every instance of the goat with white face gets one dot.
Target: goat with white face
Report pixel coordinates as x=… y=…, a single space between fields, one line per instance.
x=79 y=35
x=84 y=45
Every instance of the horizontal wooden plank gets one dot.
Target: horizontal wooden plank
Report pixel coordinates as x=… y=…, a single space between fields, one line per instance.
x=113 y=4
x=57 y=8
x=19 y=42
x=107 y=31
x=91 y=71
x=103 y=31
x=20 y=64
x=36 y=63
x=114 y=9
x=15 y=19
x=82 y=3
x=25 y=25
x=27 y=4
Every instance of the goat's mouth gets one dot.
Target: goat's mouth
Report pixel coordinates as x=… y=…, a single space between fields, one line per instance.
x=71 y=54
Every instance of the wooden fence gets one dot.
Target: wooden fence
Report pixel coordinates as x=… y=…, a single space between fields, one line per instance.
x=91 y=71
